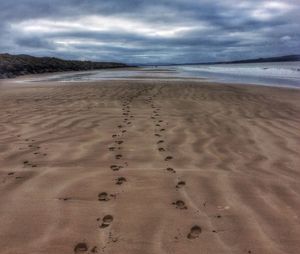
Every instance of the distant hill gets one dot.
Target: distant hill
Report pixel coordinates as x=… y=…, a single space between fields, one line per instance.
x=16 y=65
x=289 y=58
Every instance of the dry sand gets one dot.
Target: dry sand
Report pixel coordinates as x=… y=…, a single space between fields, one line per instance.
x=150 y=166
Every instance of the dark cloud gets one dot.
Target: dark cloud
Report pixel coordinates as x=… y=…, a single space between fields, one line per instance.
x=140 y=31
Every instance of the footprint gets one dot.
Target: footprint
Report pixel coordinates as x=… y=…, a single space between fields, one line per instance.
x=115 y=167
x=80 y=247
x=158 y=125
x=157 y=135
x=161 y=149
x=111 y=148
x=120 y=180
x=120 y=126
x=168 y=158
x=119 y=142
x=180 y=184
x=106 y=221
x=64 y=199
x=162 y=129
x=103 y=196
x=180 y=204
x=194 y=232
x=171 y=170
x=118 y=156
x=114 y=135
x=123 y=131
x=160 y=141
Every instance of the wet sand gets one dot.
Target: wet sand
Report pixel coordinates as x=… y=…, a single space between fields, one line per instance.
x=149 y=166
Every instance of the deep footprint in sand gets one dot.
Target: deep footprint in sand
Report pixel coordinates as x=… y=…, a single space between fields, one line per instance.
x=194 y=232
x=120 y=180
x=80 y=247
x=161 y=149
x=180 y=204
x=180 y=184
x=118 y=156
x=168 y=158
x=157 y=135
x=160 y=141
x=112 y=148
x=106 y=221
x=171 y=170
x=119 y=142
x=103 y=196
x=115 y=167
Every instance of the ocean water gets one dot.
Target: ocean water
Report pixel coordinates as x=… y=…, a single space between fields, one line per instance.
x=284 y=74
x=273 y=74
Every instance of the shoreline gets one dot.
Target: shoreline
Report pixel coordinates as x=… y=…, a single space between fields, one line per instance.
x=148 y=73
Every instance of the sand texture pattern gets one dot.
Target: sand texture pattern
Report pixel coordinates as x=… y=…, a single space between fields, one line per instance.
x=149 y=167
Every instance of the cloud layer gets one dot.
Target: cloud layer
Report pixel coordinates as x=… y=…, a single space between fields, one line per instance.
x=157 y=31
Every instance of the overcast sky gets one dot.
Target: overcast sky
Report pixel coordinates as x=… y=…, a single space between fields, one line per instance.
x=150 y=31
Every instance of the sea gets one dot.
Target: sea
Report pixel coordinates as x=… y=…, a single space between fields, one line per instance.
x=280 y=74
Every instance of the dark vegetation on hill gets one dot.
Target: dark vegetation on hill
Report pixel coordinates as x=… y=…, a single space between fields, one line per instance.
x=289 y=58
x=16 y=65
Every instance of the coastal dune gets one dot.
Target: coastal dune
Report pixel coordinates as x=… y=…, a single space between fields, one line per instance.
x=149 y=166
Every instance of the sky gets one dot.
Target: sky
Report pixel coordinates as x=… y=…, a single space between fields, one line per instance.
x=150 y=31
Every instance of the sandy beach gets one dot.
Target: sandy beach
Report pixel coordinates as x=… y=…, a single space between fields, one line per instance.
x=149 y=167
